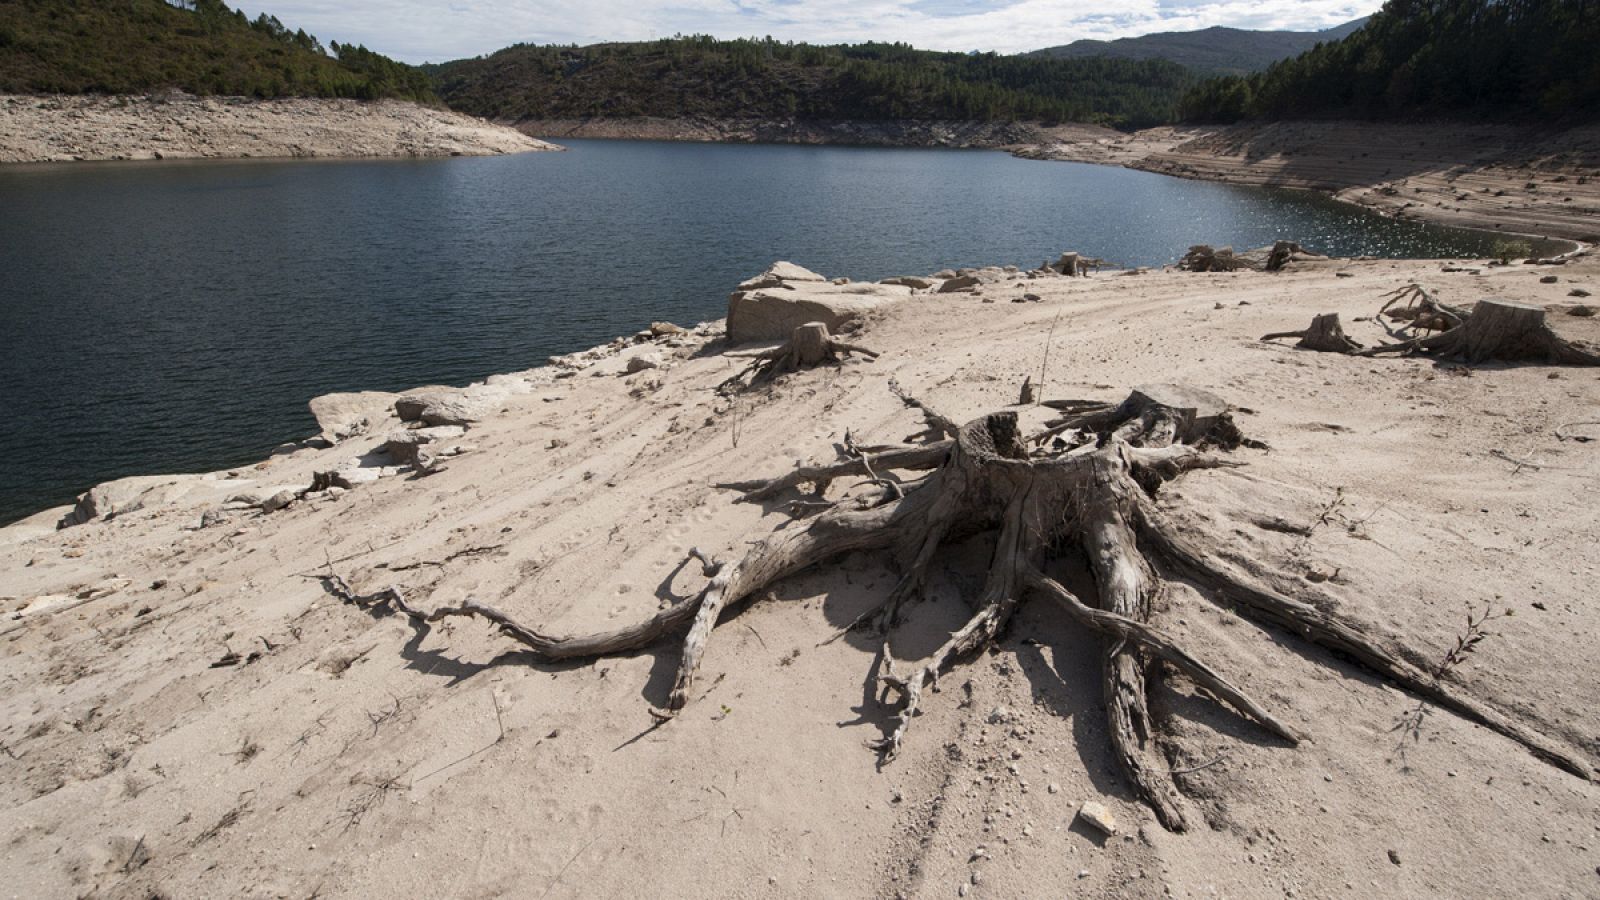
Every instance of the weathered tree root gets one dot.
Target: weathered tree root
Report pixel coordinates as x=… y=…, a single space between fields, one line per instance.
x=1324 y=334
x=1205 y=258
x=1493 y=329
x=808 y=345
x=1090 y=491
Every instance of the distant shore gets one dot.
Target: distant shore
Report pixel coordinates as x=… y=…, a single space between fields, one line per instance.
x=702 y=129
x=181 y=126
x=1541 y=183
x=1523 y=182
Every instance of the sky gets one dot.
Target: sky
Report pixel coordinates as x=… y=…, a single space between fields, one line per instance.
x=417 y=31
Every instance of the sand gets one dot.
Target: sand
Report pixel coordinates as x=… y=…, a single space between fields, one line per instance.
x=1544 y=183
x=180 y=126
x=149 y=750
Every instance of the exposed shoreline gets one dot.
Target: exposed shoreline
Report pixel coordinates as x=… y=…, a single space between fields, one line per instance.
x=1457 y=175
x=185 y=694
x=952 y=134
x=38 y=129
x=1496 y=178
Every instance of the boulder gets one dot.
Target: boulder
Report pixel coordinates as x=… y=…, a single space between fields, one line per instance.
x=773 y=314
x=453 y=407
x=779 y=273
x=342 y=416
x=280 y=500
x=960 y=283
x=127 y=495
x=405 y=447
x=914 y=282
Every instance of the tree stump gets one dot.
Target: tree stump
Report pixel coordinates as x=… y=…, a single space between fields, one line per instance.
x=1325 y=334
x=1205 y=258
x=809 y=345
x=1091 y=495
x=1502 y=330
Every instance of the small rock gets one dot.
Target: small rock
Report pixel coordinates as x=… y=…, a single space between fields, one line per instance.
x=1394 y=857
x=278 y=501
x=640 y=363
x=1577 y=292
x=1096 y=814
x=662 y=329
x=1549 y=279
x=1581 y=311
x=999 y=715
x=961 y=890
x=1054 y=788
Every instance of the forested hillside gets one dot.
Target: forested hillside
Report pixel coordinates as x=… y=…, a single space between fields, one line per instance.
x=1504 y=59
x=702 y=76
x=1209 y=51
x=199 y=46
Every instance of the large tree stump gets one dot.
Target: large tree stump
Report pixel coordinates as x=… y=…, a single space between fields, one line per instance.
x=1324 y=334
x=1084 y=489
x=1205 y=258
x=1498 y=329
x=809 y=345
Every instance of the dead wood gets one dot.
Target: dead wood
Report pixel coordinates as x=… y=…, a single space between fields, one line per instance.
x=1285 y=252
x=1205 y=258
x=1324 y=334
x=1493 y=329
x=809 y=345
x=1091 y=494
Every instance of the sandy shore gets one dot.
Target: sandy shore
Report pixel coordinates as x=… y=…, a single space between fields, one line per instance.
x=52 y=129
x=1493 y=177
x=187 y=712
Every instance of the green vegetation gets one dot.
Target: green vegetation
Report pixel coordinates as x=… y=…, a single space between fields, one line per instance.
x=702 y=76
x=199 y=46
x=1209 y=51
x=1502 y=59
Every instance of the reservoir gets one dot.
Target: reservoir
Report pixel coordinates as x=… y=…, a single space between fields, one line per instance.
x=176 y=316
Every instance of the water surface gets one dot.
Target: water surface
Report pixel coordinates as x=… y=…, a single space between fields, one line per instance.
x=161 y=317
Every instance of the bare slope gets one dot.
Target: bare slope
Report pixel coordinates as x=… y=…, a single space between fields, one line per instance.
x=216 y=724
x=60 y=128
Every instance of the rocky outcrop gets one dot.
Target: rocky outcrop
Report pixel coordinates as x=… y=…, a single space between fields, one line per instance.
x=126 y=495
x=770 y=306
x=342 y=416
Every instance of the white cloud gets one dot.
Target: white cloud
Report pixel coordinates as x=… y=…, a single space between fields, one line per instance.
x=419 y=31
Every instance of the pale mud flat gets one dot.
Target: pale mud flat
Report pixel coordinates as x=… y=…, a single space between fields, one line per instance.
x=1544 y=183
x=180 y=126
x=218 y=725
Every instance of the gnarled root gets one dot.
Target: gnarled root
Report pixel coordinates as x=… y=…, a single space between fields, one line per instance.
x=1495 y=329
x=808 y=345
x=1091 y=489
x=1205 y=258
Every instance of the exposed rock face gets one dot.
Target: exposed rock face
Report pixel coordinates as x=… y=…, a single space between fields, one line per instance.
x=127 y=495
x=772 y=305
x=915 y=282
x=449 y=406
x=345 y=415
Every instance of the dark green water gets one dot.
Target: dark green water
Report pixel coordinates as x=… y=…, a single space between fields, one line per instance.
x=162 y=317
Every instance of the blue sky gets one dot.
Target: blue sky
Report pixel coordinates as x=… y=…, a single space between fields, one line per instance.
x=421 y=31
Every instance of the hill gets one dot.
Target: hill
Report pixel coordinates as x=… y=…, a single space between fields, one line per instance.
x=1461 y=59
x=1210 y=51
x=705 y=77
x=198 y=46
